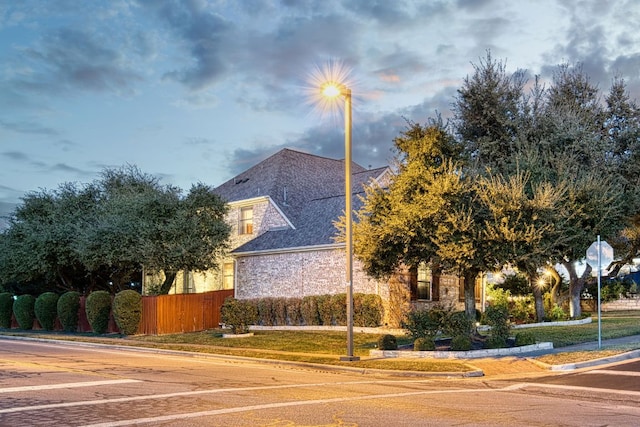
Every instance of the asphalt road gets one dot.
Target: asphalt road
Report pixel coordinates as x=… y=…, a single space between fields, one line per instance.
x=67 y=384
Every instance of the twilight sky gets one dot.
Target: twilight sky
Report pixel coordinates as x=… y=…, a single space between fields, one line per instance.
x=200 y=90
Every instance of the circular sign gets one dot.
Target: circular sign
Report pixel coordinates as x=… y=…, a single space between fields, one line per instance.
x=606 y=255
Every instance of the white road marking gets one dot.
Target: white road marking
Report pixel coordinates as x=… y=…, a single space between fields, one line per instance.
x=65 y=385
x=288 y=404
x=581 y=388
x=191 y=393
x=607 y=372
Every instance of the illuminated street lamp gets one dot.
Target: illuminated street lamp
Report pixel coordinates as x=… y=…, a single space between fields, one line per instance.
x=333 y=90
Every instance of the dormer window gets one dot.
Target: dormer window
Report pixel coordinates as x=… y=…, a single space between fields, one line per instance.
x=246 y=220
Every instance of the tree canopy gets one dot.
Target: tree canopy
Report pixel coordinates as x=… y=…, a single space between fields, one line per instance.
x=101 y=235
x=520 y=178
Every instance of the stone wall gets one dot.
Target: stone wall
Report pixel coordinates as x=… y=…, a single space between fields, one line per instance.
x=300 y=274
x=622 y=304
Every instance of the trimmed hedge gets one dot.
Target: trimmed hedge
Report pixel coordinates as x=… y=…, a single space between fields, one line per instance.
x=68 y=307
x=317 y=310
x=23 y=309
x=239 y=314
x=127 y=311
x=46 y=311
x=367 y=310
x=6 y=309
x=98 y=308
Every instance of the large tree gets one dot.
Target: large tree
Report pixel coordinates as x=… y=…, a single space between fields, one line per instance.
x=556 y=136
x=428 y=213
x=101 y=235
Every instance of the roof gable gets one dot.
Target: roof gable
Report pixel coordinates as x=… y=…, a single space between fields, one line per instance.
x=308 y=189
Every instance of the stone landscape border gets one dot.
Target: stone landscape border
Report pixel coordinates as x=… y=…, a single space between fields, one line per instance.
x=471 y=354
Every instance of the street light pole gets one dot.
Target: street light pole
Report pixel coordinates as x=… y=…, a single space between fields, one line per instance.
x=333 y=89
x=346 y=92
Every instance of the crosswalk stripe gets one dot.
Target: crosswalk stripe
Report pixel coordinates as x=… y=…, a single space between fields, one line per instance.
x=64 y=385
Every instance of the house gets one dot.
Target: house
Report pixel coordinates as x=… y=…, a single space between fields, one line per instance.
x=282 y=212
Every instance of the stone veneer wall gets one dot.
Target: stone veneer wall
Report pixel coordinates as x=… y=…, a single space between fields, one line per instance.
x=622 y=304
x=302 y=273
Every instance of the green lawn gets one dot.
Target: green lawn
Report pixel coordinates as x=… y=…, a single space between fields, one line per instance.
x=326 y=347
x=614 y=325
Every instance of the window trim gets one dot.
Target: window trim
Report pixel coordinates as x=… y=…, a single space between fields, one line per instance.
x=245 y=224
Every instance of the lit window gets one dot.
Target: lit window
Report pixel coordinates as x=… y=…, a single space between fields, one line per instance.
x=246 y=220
x=423 y=290
x=423 y=284
x=188 y=285
x=227 y=275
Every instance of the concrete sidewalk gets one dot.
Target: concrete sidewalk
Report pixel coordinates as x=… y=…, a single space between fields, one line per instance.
x=606 y=344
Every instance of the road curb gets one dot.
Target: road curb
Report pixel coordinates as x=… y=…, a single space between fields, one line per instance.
x=307 y=365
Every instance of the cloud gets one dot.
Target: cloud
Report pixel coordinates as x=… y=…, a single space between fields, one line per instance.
x=28 y=128
x=16 y=156
x=70 y=59
x=208 y=37
x=383 y=12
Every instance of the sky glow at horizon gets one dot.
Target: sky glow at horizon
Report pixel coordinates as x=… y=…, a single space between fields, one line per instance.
x=198 y=91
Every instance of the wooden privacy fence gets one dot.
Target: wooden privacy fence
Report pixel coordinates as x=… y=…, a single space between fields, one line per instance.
x=163 y=314
x=168 y=314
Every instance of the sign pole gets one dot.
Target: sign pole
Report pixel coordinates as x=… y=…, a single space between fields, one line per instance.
x=599 y=274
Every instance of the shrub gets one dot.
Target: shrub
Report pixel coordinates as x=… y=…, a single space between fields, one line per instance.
x=23 y=309
x=496 y=341
x=309 y=309
x=339 y=304
x=45 y=310
x=280 y=311
x=367 y=310
x=6 y=309
x=387 y=342
x=127 y=311
x=497 y=316
x=67 y=307
x=421 y=324
x=294 y=315
x=266 y=316
x=98 y=308
x=461 y=343
x=523 y=309
x=457 y=323
x=429 y=323
x=238 y=314
x=525 y=338
x=325 y=309
x=424 y=344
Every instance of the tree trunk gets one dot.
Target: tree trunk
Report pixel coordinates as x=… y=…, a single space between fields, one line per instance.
x=576 y=285
x=555 y=289
x=470 y=294
x=169 y=278
x=538 y=301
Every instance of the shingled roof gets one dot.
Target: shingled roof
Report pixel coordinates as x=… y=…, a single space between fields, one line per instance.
x=308 y=189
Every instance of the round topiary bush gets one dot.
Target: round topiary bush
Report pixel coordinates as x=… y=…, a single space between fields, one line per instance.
x=525 y=338
x=424 y=344
x=238 y=314
x=67 y=308
x=127 y=311
x=6 y=309
x=23 y=310
x=387 y=342
x=461 y=343
x=45 y=310
x=98 y=308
